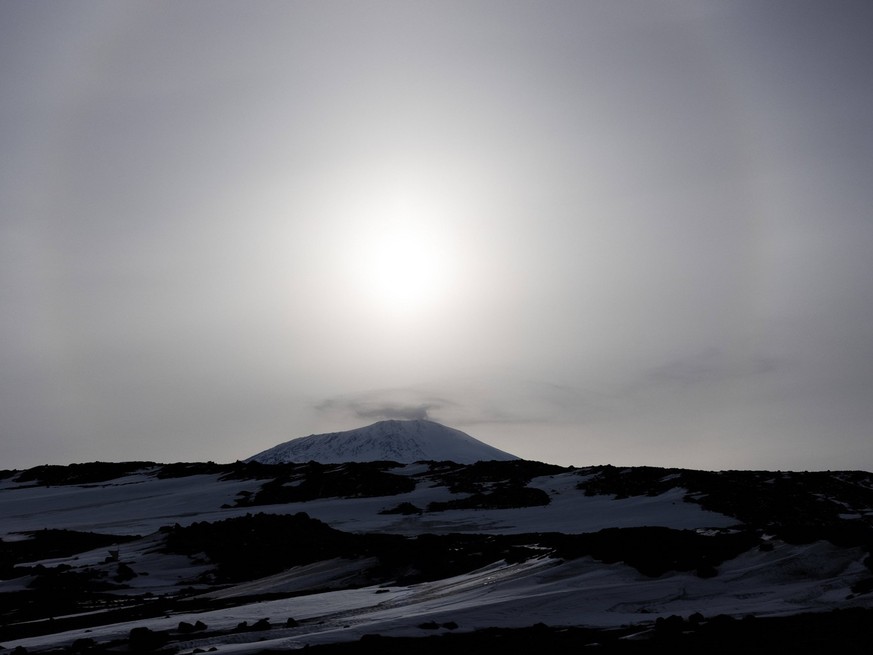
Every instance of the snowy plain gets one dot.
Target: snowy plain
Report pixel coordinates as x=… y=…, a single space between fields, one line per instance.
x=140 y=504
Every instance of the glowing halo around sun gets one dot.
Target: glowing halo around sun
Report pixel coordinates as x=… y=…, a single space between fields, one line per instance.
x=399 y=259
x=403 y=270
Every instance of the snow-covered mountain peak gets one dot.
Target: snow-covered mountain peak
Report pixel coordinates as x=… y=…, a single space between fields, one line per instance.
x=404 y=441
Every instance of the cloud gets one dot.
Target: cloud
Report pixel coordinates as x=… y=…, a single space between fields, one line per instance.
x=462 y=403
x=392 y=411
x=379 y=405
x=706 y=366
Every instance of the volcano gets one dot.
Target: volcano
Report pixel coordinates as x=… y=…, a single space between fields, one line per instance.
x=393 y=440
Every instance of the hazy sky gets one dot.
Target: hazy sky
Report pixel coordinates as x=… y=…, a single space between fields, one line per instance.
x=627 y=232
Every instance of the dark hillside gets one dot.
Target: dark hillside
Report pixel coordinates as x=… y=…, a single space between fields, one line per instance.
x=799 y=507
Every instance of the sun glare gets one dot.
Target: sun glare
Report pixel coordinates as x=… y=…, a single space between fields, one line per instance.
x=397 y=236
x=402 y=262
x=404 y=270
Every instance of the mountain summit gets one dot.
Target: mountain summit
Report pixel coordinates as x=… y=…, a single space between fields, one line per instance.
x=397 y=441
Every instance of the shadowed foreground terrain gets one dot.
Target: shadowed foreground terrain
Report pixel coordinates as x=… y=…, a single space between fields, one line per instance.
x=432 y=557
x=845 y=632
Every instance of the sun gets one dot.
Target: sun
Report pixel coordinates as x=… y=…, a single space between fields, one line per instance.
x=398 y=255
x=404 y=269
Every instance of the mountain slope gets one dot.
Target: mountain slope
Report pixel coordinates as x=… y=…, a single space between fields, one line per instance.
x=397 y=441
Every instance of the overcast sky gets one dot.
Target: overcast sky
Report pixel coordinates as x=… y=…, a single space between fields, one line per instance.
x=627 y=232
